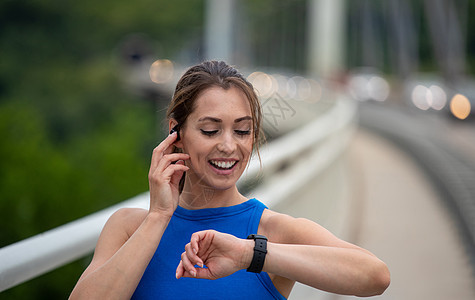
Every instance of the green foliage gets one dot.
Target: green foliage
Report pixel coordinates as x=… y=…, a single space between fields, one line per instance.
x=73 y=139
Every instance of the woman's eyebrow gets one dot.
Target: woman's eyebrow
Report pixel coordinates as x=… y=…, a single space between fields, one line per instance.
x=243 y=119
x=217 y=120
x=212 y=119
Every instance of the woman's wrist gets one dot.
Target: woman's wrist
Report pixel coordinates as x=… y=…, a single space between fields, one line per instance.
x=159 y=211
x=247 y=253
x=157 y=216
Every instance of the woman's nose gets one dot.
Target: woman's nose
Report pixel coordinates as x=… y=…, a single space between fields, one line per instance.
x=227 y=144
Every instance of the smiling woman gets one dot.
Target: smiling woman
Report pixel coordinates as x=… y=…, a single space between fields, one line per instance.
x=206 y=229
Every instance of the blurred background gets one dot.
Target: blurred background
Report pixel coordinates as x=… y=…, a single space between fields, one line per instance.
x=84 y=87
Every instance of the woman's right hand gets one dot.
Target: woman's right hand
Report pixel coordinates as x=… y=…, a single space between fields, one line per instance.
x=164 y=176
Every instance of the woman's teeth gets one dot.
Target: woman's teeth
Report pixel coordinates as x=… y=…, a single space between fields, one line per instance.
x=223 y=164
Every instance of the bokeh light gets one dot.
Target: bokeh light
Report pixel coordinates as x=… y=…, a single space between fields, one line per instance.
x=265 y=84
x=429 y=97
x=161 y=71
x=460 y=106
x=303 y=89
x=378 y=88
x=282 y=82
x=420 y=98
x=357 y=85
x=439 y=97
x=365 y=87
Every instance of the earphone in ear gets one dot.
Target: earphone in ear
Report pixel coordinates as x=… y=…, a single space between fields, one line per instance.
x=176 y=129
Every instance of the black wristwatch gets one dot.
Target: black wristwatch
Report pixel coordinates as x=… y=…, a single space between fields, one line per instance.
x=260 y=251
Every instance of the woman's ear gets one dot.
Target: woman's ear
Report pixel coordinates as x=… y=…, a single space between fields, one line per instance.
x=174 y=126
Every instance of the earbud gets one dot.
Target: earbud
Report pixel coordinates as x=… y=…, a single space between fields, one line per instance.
x=176 y=129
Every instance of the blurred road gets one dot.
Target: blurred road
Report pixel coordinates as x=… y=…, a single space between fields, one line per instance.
x=387 y=204
x=406 y=224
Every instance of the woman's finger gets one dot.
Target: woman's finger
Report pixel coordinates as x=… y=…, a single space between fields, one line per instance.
x=179 y=270
x=168 y=159
x=192 y=255
x=176 y=177
x=202 y=239
x=165 y=170
x=187 y=265
x=163 y=148
x=204 y=273
x=194 y=242
x=200 y=272
x=173 y=173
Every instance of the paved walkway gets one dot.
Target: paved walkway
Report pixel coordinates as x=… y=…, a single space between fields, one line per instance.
x=386 y=205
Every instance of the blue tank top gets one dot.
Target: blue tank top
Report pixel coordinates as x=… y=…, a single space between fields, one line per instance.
x=159 y=281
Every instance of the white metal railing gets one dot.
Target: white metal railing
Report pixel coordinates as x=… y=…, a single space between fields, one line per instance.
x=321 y=141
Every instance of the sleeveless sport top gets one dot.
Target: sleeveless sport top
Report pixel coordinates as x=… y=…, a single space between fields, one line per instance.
x=159 y=281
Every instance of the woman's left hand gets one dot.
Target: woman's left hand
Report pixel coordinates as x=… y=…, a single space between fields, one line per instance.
x=217 y=255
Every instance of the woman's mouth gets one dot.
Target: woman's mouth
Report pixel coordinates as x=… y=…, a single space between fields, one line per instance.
x=223 y=165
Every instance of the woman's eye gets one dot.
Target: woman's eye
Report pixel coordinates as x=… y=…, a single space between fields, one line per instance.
x=208 y=132
x=243 y=132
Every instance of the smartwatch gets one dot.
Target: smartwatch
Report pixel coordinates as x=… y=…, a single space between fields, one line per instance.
x=260 y=251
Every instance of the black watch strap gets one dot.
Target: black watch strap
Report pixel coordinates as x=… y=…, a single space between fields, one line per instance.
x=260 y=251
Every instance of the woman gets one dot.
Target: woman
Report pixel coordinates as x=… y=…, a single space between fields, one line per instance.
x=197 y=225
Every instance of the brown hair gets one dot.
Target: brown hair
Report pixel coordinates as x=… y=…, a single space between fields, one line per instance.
x=213 y=74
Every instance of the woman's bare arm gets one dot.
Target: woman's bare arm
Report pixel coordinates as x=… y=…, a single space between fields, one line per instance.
x=335 y=260
x=299 y=250
x=119 y=260
x=338 y=270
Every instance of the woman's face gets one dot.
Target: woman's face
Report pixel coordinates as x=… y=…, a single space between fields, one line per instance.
x=218 y=136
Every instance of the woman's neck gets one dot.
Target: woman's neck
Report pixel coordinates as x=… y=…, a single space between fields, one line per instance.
x=201 y=196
